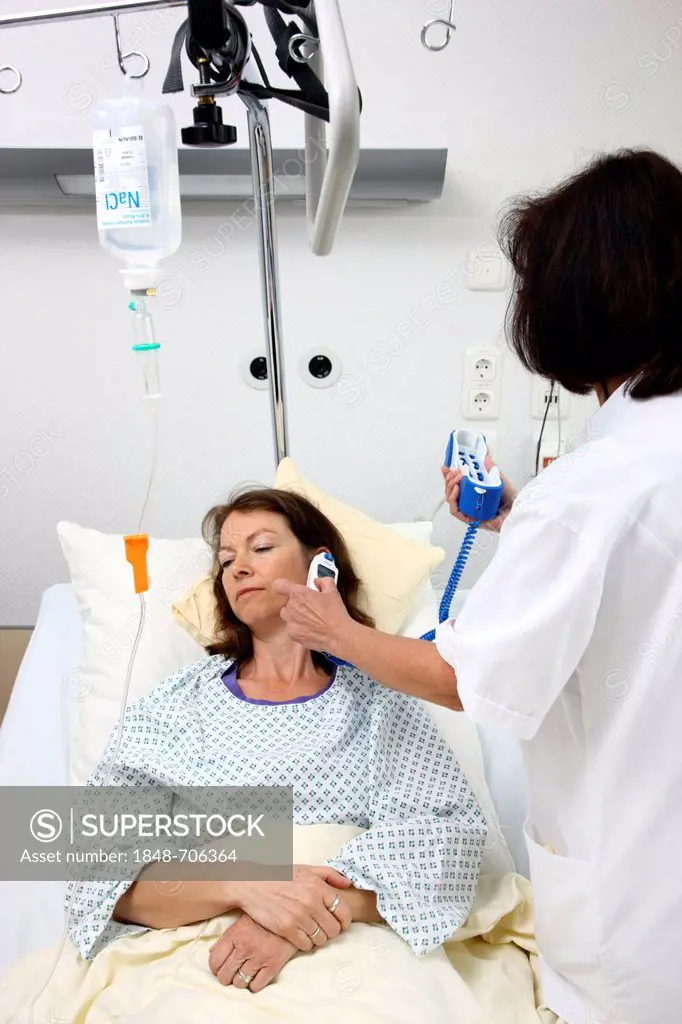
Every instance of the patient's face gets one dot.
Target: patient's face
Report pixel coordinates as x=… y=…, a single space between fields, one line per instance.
x=257 y=548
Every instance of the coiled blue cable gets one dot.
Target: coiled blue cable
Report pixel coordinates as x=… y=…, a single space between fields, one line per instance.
x=455 y=577
x=450 y=587
x=480 y=496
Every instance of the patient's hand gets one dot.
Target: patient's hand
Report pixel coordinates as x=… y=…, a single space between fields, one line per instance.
x=248 y=947
x=299 y=910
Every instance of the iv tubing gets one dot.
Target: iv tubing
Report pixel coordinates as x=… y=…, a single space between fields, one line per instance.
x=117 y=745
x=124 y=702
x=155 y=458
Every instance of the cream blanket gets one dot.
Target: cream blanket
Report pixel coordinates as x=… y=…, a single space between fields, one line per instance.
x=486 y=975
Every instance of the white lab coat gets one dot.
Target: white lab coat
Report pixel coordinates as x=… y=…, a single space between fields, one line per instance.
x=572 y=641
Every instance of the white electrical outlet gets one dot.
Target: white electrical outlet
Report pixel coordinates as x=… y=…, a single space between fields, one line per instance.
x=481 y=364
x=481 y=404
x=560 y=403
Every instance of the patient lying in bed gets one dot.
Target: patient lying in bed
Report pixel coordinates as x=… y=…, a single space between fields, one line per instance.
x=261 y=711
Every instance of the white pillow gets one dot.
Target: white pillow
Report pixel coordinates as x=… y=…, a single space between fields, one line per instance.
x=103 y=585
x=421 y=531
x=420 y=618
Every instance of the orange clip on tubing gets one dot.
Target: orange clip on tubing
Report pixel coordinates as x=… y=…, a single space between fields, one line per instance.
x=137 y=546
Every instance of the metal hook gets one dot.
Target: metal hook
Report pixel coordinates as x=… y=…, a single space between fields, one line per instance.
x=296 y=44
x=436 y=47
x=123 y=57
x=447 y=24
x=18 y=80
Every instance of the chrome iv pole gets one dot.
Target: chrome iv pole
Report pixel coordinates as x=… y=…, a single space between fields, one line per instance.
x=260 y=142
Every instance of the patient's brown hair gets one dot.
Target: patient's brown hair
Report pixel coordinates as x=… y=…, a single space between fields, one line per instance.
x=311 y=528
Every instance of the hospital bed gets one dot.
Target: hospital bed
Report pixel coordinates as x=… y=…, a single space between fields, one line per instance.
x=34 y=752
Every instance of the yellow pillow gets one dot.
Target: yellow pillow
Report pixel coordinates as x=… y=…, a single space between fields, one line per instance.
x=392 y=567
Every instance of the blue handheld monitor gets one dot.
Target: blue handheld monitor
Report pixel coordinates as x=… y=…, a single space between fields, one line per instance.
x=480 y=491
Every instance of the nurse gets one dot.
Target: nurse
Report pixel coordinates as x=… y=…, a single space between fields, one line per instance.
x=572 y=638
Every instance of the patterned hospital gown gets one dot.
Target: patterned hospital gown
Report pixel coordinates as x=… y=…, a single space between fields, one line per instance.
x=356 y=754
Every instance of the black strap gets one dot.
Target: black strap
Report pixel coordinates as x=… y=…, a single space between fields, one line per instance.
x=310 y=97
x=173 y=80
x=292 y=97
x=310 y=85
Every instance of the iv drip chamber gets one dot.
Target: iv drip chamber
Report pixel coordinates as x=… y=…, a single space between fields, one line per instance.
x=147 y=347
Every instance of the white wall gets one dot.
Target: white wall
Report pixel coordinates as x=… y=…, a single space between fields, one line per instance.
x=525 y=92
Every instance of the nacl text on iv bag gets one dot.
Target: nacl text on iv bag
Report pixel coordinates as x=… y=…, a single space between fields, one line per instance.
x=137 y=185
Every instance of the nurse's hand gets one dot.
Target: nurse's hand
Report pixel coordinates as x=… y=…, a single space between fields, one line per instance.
x=317 y=620
x=452 y=478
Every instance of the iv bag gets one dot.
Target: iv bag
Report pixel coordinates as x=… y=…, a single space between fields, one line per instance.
x=137 y=185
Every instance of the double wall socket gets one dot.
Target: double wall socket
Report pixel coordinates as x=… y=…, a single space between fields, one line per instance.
x=481 y=392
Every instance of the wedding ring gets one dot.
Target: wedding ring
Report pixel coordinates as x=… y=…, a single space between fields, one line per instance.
x=334 y=904
x=246 y=978
x=313 y=934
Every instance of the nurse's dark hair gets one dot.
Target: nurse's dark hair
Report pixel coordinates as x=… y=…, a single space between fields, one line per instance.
x=598 y=267
x=312 y=529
